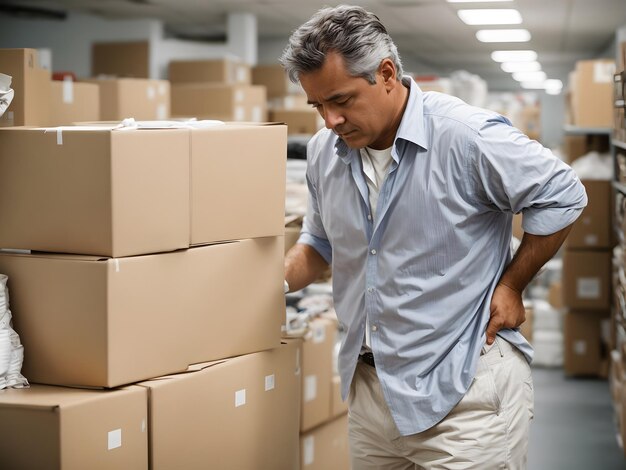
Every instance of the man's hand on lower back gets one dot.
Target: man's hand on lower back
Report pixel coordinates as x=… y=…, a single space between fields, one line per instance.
x=507 y=311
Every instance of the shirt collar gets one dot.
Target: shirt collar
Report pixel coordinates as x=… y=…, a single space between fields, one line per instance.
x=411 y=126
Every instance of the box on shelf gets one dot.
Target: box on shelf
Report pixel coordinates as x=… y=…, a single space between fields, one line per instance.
x=240 y=413
x=530 y=121
x=299 y=121
x=326 y=446
x=138 y=98
x=593 y=229
x=225 y=71
x=593 y=93
x=88 y=190
x=121 y=59
x=293 y=101
x=338 y=407
x=71 y=429
x=587 y=280
x=584 y=350
x=317 y=373
x=73 y=101
x=31 y=84
x=274 y=78
x=101 y=322
x=526 y=328
x=219 y=101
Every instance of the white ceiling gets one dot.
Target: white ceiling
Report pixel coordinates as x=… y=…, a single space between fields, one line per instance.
x=427 y=32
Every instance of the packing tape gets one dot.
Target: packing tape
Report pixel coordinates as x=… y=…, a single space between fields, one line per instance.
x=117 y=265
x=68 y=90
x=59 y=136
x=240 y=398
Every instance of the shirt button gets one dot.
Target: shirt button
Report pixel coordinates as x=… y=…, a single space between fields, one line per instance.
x=369 y=216
x=373 y=252
x=370 y=289
x=374 y=328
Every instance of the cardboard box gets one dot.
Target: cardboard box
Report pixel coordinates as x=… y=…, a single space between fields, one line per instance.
x=221 y=102
x=238 y=414
x=31 y=84
x=101 y=322
x=326 y=447
x=526 y=328
x=136 y=98
x=250 y=202
x=121 y=59
x=97 y=191
x=225 y=71
x=518 y=231
x=338 y=407
x=291 y=237
x=583 y=346
x=530 y=121
x=574 y=146
x=73 y=101
x=594 y=228
x=593 y=93
x=293 y=101
x=555 y=294
x=71 y=429
x=317 y=373
x=274 y=78
x=587 y=280
x=300 y=121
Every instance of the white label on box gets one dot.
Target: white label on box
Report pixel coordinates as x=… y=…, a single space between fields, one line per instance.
x=580 y=347
x=319 y=334
x=241 y=74
x=239 y=96
x=270 y=381
x=588 y=287
x=143 y=425
x=68 y=90
x=116 y=262
x=309 y=450
x=162 y=112
x=162 y=88
x=310 y=388
x=591 y=239
x=115 y=439
x=151 y=93
x=240 y=398
x=257 y=114
x=290 y=103
x=240 y=113
x=603 y=72
x=59 y=136
x=10 y=116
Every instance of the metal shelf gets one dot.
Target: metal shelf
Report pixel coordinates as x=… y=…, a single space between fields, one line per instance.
x=575 y=130
x=619 y=143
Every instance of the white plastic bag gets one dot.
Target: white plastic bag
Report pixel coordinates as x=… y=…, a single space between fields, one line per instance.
x=6 y=93
x=11 y=350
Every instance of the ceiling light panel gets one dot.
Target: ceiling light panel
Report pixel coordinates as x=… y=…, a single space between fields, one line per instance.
x=513 y=56
x=478 y=1
x=529 y=76
x=490 y=17
x=503 y=35
x=512 y=67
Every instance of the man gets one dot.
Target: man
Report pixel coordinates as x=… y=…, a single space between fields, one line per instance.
x=411 y=201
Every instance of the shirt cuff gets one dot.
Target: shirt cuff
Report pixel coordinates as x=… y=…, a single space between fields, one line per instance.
x=548 y=221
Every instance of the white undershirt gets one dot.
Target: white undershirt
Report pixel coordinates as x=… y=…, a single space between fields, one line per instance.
x=375 y=166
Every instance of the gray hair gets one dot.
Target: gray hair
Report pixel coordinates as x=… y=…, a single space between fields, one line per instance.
x=351 y=31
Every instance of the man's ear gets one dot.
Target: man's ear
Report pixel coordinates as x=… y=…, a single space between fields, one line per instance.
x=387 y=70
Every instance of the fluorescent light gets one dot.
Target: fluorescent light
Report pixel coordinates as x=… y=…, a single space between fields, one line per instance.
x=553 y=84
x=529 y=76
x=532 y=85
x=503 y=35
x=485 y=16
x=512 y=67
x=553 y=91
x=475 y=1
x=513 y=56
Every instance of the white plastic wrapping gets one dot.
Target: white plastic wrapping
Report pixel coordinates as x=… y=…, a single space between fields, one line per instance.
x=6 y=93
x=11 y=350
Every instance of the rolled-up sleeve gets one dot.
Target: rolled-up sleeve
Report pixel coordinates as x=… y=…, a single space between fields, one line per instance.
x=313 y=232
x=515 y=174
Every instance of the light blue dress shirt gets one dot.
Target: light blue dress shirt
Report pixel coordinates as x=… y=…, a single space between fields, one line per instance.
x=424 y=271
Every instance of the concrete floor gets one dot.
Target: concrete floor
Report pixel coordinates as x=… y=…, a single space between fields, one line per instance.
x=573 y=427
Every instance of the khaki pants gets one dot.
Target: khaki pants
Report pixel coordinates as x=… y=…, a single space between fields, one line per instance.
x=487 y=429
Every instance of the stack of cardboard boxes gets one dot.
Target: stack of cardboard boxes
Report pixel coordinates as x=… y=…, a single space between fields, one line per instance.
x=216 y=89
x=287 y=101
x=153 y=252
x=323 y=416
x=617 y=338
x=587 y=284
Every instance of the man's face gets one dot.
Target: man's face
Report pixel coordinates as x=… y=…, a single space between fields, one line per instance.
x=355 y=110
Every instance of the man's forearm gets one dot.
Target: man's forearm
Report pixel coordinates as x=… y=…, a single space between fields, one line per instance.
x=303 y=265
x=533 y=253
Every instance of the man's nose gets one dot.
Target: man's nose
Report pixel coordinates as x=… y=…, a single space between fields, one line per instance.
x=333 y=118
